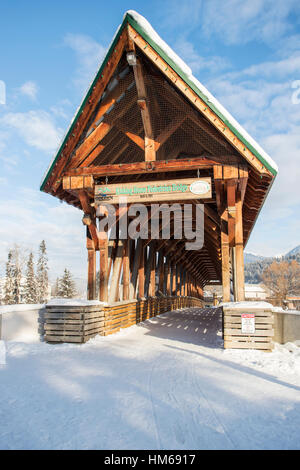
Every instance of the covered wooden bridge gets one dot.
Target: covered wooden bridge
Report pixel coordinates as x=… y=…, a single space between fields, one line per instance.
x=146 y=122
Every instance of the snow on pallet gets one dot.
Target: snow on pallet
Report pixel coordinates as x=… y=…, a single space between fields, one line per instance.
x=263 y=326
x=73 y=324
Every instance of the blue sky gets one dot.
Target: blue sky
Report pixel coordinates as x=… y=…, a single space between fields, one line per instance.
x=247 y=53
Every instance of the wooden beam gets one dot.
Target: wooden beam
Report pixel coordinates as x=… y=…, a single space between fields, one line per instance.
x=143 y=102
x=136 y=266
x=114 y=286
x=103 y=269
x=86 y=153
x=89 y=144
x=126 y=271
x=78 y=182
x=239 y=250
x=152 y=261
x=197 y=102
x=141 y=274
x=91 y=287
x=54 y=180
x=149 y=268
x=169 y=130
x=111 y=98
x=160 y=272
x=182 y=164
x=225 y=256
x=86 y=207
x=231 y=193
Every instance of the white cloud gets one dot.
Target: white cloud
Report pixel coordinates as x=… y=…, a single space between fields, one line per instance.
x=272 y=69
x=260 y=97
x=186 y=50
x=29 y=89
x=89 y=55
x=242 y=21
x=31 y=217
x=37 y=128
x=178 y=12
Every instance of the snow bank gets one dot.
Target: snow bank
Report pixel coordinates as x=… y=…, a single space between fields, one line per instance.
x=163 y=384
x=251 y=305
x=146 y=26
x=20 y=308
x=288 y=312
x=74 y=302
x=22 y=323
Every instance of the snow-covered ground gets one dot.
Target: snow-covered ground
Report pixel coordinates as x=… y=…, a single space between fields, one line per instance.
x=163 y=384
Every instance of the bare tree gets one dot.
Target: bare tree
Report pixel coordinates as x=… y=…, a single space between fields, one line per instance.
x=282 y=278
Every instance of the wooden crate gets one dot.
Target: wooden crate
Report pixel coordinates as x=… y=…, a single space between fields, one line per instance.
x=232 y=329
x=68 y=324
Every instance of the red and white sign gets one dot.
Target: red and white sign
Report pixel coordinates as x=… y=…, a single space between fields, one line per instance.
x=248 y=323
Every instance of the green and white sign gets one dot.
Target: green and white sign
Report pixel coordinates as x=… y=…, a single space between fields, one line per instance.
x=166 y=190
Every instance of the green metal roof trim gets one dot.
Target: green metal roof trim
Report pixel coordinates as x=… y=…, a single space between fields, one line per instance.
x=129 y=19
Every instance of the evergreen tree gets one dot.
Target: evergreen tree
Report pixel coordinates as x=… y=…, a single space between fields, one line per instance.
x=42 y=274
x=30 y=287
x=67 y=288
x=55 y=288
x=9 y=297
x=17 y=282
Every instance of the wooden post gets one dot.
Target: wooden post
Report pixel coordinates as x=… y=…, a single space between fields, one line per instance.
x=239 y=250
x=173 y=277
x=149 y=268
x=167 y=280
x=103 y=278
x=161 y=272
x=225 y=256
x=153 y=273
x=126 y=270
x=177 y=280
x=135 y=266
x=141 y=288
x=91 y=287
x=114 y=288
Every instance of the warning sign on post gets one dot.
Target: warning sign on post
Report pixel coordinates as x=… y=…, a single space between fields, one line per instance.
x=248 y=323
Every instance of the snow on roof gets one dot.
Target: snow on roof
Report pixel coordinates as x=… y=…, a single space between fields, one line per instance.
x=148 y=29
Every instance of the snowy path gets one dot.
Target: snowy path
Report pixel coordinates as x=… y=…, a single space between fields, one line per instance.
x=164 y=384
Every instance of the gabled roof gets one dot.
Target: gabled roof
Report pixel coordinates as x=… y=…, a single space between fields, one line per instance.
x=146 y=31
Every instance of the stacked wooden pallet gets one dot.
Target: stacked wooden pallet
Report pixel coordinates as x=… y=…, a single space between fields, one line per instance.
x=263 y=331
x=77 y=324
x=117 y=316
x=73 y=324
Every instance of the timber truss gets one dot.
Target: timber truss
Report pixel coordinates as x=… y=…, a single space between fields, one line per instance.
x=142 y=122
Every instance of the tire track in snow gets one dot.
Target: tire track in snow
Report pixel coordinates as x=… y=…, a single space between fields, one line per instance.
x=210 y=406
x=158 y=440
x=182 y=420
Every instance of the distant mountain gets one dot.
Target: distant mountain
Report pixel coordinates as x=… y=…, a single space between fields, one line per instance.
x=256 y=264
x=293 y=252
x=252 y=258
